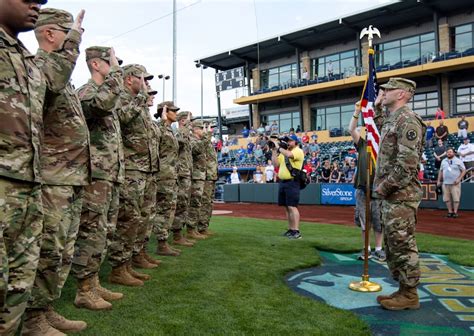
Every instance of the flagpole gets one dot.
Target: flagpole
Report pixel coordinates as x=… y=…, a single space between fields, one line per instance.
x=366 y=285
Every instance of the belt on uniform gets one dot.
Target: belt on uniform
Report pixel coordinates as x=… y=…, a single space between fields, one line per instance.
x=286 y=181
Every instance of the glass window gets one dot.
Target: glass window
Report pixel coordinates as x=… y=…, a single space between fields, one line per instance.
x=463 y=29
x=464 y=100
x=282 y=75
x=285 y=120
x=463 y=37
x=343 y=63
x=327 y=118
x=408 y=49
x=425 y=104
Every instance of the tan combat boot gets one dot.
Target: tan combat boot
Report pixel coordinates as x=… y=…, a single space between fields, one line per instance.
x=36 y=324
x=165 y=250
x=193 y=234
x=406 y=299
x=206 y=233
x=179 y=239
x=61 y=323
x=87 y=297
x=104 y=293
x=135 y=274
x=380 y=298
x=120 y=276
x=149 y=258
x=140 y=261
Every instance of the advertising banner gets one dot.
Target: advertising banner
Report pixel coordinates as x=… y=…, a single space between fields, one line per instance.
x=337 y=194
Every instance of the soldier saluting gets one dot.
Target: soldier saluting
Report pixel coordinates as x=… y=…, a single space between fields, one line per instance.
x=396 y=183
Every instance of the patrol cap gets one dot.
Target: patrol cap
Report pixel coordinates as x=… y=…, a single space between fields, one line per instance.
x=137 y=70
x=400 y=83
x=182 y=115
x=170 y=106
x=151 y=92
x=198 y=124
x=100 y=52
x=54 y=16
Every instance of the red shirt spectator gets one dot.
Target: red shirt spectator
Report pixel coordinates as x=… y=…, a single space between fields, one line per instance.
x=308 y=167
x=305 y=138
x=439 y=114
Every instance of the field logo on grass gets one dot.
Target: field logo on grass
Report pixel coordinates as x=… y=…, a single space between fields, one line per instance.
x=341 y=194
x=446 y=294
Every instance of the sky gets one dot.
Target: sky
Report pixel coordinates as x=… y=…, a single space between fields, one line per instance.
x=141 y=32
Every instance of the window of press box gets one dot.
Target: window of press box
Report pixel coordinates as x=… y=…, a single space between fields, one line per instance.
x=332 y=117
x=425 y=104
x=463 y=37
x=464 y=100
x=343 y=63
x=281 y=75
x=284 y=120
x=415 y=48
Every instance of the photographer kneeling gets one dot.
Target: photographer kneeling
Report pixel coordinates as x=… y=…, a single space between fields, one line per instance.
x=289 y=158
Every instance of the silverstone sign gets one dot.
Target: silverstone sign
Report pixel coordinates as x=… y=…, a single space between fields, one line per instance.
x=337 y=194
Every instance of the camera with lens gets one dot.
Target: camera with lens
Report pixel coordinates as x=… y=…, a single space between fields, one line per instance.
x=282 y=142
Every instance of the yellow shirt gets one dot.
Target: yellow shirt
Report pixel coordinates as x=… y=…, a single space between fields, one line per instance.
x=296 y=162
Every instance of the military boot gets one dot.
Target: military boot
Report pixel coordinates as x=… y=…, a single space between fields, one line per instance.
x=206 y=233
x=120 y=276
x=179 y=239
x=407 y=298
x=87 y=297
x=61 y=323
x=135 y=274
x=36 y=324
x=165 y=250
x=193 y=234
x=104 y=293
x=149 y=258
x=175 y=249
x=380 y=298
x=140 y=261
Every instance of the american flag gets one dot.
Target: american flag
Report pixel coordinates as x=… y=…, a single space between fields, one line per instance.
x=367 y=105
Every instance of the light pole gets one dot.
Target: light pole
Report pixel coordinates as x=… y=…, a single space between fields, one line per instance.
x=202 y=66
x=163 y=78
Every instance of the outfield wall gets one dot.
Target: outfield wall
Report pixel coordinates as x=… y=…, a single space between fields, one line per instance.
x=333 y=194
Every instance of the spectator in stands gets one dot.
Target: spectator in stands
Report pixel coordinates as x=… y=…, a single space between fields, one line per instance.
x=269 y=172
x=267 y=153
x=450 y=175
x=314 y=147
x=259 y=154
x=274 y=128
x=326 y=172
x=308 y=167
x=261 y=130
x=421 y=173
x=430 y=131
x=258 y=176
x=315 y=160
x=361 y=184
x=298 y=129
x=250 y=148
x=314 y=137
x=330 y=70
x=350 y=172
x=245 y=132
x=235 y=176
x=268 y=129
x=335 y=173
x=463 y=126
x=225 y=150
x=241 y=154
x=305 y=138
x=466 y=154
x=252 y=132
x=439 y=113
x=262 y=141
x=442 y=131
x=305 y=74
x=439 y=153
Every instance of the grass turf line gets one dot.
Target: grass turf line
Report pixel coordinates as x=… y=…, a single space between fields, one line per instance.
x=233 y=284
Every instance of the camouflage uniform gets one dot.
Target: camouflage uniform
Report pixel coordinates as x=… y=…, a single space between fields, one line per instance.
x=100 y=104
x=135 y=122
x=166 y=196
x=23 y=87
x=198 y=149
x=185 y=165
x=401 y=146
x=209 y=185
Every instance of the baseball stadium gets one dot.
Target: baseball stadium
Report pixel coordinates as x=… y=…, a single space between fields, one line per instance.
x=334 y=197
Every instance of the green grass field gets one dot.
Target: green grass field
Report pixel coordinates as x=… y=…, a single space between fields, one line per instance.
x=233 y=284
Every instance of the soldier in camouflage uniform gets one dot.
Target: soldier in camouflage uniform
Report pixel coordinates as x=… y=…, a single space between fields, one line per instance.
x=65 y=168
x=166 y=196
x=185 y=166
x=396 y=184
x=135 y=123
x=23 y=86
x=198 y=150
x=140 y=257
x=209 y=185
x=100 y=103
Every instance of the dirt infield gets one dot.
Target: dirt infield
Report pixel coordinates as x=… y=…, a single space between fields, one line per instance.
x=429 y=221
